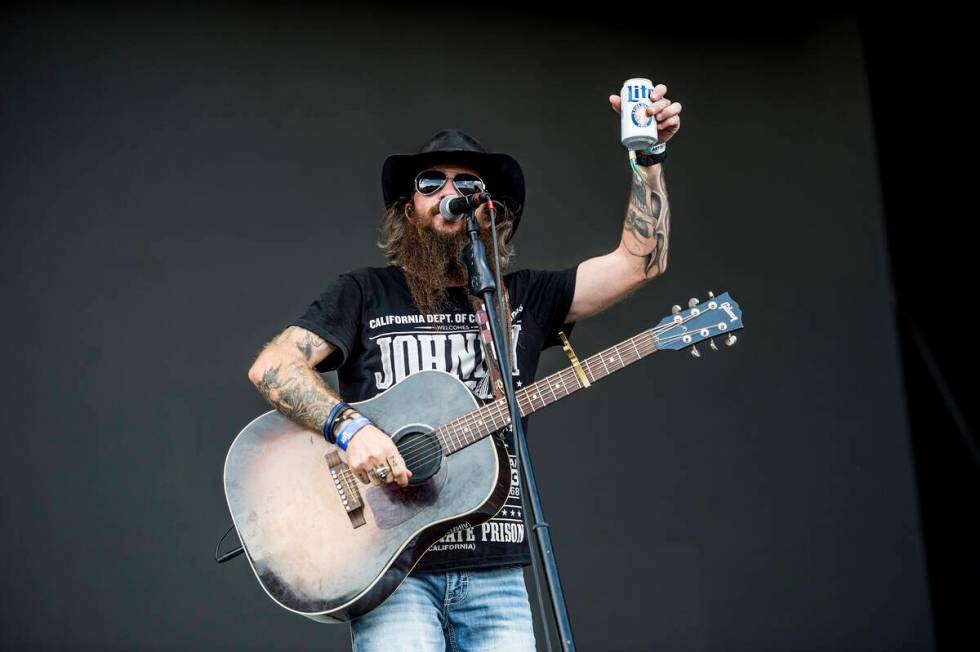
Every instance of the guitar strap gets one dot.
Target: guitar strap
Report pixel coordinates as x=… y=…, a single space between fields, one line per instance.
x=486 y=339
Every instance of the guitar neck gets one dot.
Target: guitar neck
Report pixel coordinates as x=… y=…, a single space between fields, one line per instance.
x=474 y=426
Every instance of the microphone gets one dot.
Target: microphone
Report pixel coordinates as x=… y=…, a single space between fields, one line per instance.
x=454 y=208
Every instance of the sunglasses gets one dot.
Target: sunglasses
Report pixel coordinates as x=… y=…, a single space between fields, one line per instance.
x=430 y=181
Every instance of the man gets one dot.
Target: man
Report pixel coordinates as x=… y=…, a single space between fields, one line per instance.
x=377 y=325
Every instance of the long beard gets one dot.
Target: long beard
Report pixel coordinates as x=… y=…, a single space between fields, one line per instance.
x=431 y=263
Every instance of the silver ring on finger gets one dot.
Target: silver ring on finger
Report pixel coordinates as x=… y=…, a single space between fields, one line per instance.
x=381 y=473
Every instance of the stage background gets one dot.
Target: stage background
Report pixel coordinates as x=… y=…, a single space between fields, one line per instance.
x=179 y=184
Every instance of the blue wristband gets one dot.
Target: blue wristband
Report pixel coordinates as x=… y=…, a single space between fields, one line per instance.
x=350 y=429
x=328 y=424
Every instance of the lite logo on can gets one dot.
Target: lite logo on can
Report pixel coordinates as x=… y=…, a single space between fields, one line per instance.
x=638 y=93
x=638 y=130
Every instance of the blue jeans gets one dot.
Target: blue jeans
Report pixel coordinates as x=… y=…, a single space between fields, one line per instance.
x=464 y=611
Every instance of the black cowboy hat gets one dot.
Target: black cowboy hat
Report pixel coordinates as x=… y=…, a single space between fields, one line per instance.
x=502 y=174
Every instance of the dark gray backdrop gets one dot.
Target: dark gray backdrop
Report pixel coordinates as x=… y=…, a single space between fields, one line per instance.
x=177 y=185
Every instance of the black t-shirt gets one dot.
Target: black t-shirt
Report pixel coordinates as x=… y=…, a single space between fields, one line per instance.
x=381 y=338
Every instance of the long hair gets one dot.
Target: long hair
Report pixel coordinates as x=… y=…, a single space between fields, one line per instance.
x=393 y=231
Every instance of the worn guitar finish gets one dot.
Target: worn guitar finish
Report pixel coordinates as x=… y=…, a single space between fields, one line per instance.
x=298 y=536
x=327 y=547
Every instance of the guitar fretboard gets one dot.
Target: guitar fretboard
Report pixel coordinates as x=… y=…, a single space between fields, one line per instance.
x=474 y=426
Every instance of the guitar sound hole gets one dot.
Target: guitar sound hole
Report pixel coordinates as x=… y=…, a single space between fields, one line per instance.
x=422 y=454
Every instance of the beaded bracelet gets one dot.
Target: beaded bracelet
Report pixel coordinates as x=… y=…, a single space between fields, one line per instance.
x=350 y=429
x=328 y=424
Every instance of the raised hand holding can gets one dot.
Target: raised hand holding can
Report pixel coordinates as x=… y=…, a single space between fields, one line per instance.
x=660 y=115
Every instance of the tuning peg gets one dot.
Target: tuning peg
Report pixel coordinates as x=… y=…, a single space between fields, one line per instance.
x=676 y=310
x=731 y=339
x=711 y=343
x=692 y=302
x=711 y=295
x=695 y=352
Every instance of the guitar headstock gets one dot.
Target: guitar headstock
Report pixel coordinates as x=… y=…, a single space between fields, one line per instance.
x=701 y=321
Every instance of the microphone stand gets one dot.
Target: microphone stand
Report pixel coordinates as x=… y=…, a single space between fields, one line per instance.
x=482 y=284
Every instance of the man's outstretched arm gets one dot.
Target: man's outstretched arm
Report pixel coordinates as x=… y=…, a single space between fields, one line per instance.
x=641 y=255
x=642 y=252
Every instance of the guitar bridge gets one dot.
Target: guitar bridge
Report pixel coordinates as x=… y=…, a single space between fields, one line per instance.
x=346 y=485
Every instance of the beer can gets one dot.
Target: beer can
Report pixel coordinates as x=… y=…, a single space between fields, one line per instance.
x=638 y=130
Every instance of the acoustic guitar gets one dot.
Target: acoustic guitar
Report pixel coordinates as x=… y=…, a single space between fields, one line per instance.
x=330 y=548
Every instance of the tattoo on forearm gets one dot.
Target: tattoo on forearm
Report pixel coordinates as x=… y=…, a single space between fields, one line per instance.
x=646 y=231
x=305 y=342
x=298 y=393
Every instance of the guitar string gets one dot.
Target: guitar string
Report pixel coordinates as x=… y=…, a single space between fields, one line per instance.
x=475 y=419
x=458 y=428
x=499 y=406
x=652 y=332
x=452 y=429
x=565 y=374
x=562 y=379
x=467 y=421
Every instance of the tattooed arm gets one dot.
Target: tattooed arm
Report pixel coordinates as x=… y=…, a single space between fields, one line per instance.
x=284 y=375
x=647 y=227
x=641 y=255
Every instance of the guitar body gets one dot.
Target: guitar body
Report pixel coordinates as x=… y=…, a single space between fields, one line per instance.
x=309 y=552
x=327 y=547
